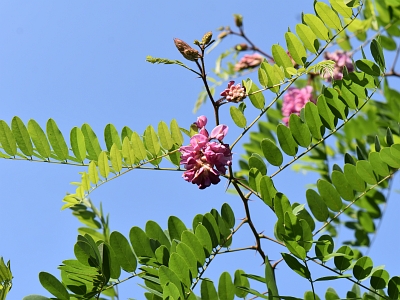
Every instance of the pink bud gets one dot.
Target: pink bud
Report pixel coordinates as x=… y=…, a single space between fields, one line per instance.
x=219 y=132
x=201 y=122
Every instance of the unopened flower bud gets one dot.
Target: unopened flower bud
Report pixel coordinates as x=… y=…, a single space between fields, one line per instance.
x=238 y=20
x=222 y=34
x=188 y=52
x=196 y=42
x=241 y=47
x=206 y=38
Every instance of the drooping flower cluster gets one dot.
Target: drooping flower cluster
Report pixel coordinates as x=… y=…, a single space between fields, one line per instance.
x=249 y=61
x=341 y=59
x=294 y=100
x=234 y=93
x=206 y=158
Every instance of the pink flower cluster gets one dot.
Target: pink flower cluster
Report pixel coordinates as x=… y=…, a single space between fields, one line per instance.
x=206 y=158
x=294 y=100
x=341 y=59
x=234 y=93
x=249 y=61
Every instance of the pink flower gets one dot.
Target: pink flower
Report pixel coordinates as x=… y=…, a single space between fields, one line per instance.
x=206 y=158
x=294 y=100
x=234 y=93
x=201 y=122
x=341 y=59
x=249 y=61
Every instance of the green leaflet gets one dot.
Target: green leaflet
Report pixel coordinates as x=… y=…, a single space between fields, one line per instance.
x=270 y=279
x=56 y=140
x=192 y=241
x=240 y=281
x=341 y=8
x=317 y=26
x=329 y=195
x=116 y=158
x=138 y=147
x=324 y=247
x=165 y=136
x=262 y=77
x=189 y=257
x=281 y=205
x=296 y=48
x=257 y=162
x=271 y=152
x=286 y=140
x=93 y=173
x=211 y=225
x=127 y=152
x=155 y=232
x=317 y=205
x=78 y=143
x=238 y=117
x=254 y=179
x=103 y=166
x=344 y=262
x=224 y=230
x=256 y=97
x=175 y=228
x=126 y=132
x=362 y=268
x=365 y=220
x=151 y=141
x=178 y=265
x=168 y=276
x=300 y=131
x=281 y=58
x=176 y=133
x=337 y=107
x=228 y=215
x=379 y=279
x=327 y=15
x=91 y=142
x=308 y=37
x=111 y=137
x=272 y=78
x=377 y=164
x=366 y=172
x=313 y=120
x=226 y=289
x=53 y=285
x=39 y=138
x=368 y=67
x=7 y=139
x=296 y=266
x=170 y=291
x=21 y=136
x=342 y=185
x=377 y=54
x=267 y=190
x=327 y=117
x=207 y=289
x=140 y=242
x=204 y=238
x=348 y=97
x=394 y=287
x=353 y=178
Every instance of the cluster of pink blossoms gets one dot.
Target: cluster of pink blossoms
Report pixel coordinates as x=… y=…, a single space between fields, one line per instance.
x=341 y=59
x=294 y=100
x=234 y=93
x=249 y=61
x=206 y=158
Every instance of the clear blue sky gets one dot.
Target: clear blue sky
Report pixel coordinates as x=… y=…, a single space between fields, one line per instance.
x=84 y=62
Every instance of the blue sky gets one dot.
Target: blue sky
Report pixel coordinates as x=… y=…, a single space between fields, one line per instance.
x=84 y=62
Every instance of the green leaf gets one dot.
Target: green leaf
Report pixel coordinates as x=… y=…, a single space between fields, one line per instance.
x=366 y=172
x=338 y=108
x=366 y=221
x=317 y=205
x=350 y=172
x=387 y=156
x=151 y=141
x=39 y=138
x=228 y=215
x=281 y=58
x=377 y=54
x=377 y=164
x=35 y=297
x=368 y=67
x=327 y=117
x=348 y=97
x=270 y=279
x=341 y=8
x=191 y=240
x=123 y=252
x=53 y=285
x=204 y=238
x=256 y=97
x=178 y=265
x=127 y=152
x=329 y=195
x=286 y=140
x=116 y=158
x=21 y=136
x=93 y=173
x=313 y=120
x=324 y=247
x=240 y=281
x=170 y=291
x=91 y=142
x=299 y=130
x=317 y=26
x=78 y=143
x=138 y=147
x=7 y=139
x=104 y=168
x=56 y=140
x=257 y=162
x=271 y=152
x=211 y=225
x=296 y=48
x=363 y=267
x=344 y=262
x=327 y=15
x=111 y=137
x=394 y=287
x=187 y=254
x=165 y=136
x=272 y=78
x=388 y=43
x=226 y=289
x=281 y=205
x=262 y=77
x=168 y=276
x=267 y=190
x=342 y=185
x=327 y=278
x=140 y=242
x=296 y=266
x=207 y=290
x=238 y=117
x=254 y=179
x=308 y=37
x=126 y=132
x=175 y=228
x=155 y=232
x=176 y=132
